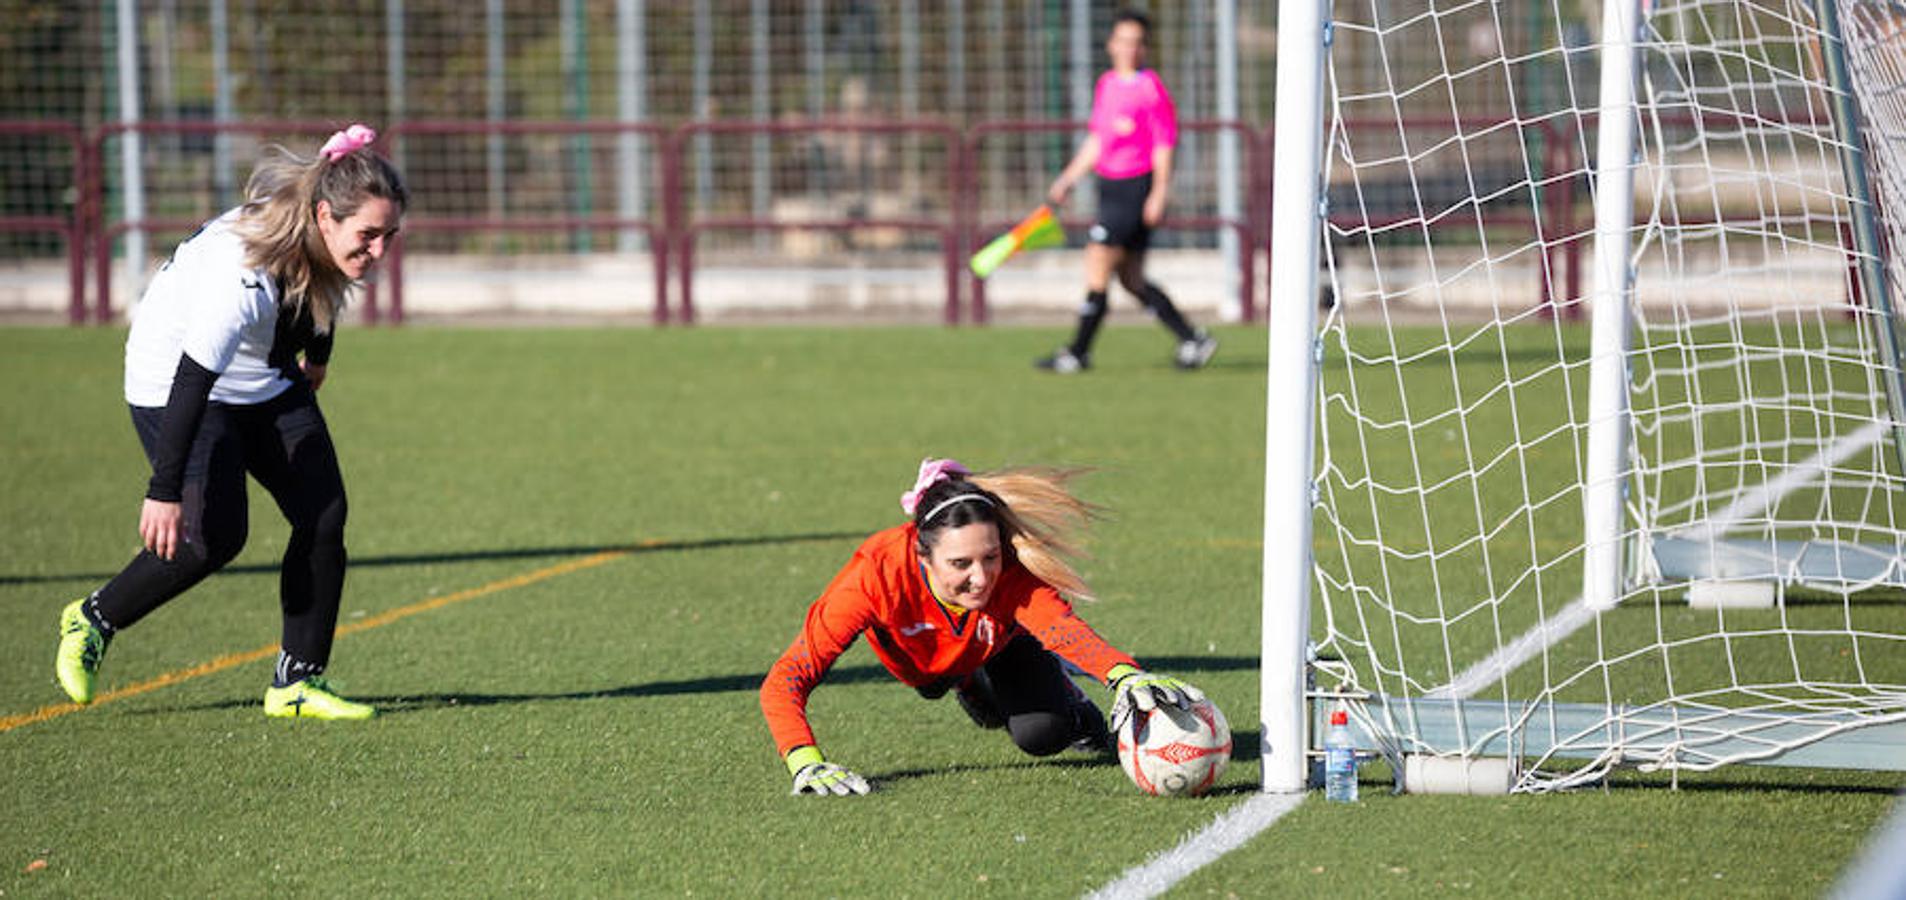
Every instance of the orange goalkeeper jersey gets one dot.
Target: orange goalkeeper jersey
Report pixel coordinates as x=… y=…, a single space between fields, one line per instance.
x=883 y=592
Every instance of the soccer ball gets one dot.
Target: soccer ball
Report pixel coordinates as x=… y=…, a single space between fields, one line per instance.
x=1172 y=752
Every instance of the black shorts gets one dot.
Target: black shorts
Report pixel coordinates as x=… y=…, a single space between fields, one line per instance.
x=1022 y=677
x=1024 y=689
x=1121 y=221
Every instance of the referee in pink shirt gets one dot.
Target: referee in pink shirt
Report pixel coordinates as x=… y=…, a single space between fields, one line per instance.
x=1132 y=132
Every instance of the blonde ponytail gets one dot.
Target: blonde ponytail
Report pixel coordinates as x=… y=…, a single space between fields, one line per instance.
x=1045 y=521
x=278 y=223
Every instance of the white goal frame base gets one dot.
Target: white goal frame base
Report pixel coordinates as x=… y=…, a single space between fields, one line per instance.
x=1825 y=565
x=1466 y=748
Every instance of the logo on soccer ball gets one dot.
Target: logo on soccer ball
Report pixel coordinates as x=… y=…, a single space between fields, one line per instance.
x=1172 y=752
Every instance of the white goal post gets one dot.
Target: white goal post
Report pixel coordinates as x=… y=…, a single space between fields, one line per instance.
x=1654 y=521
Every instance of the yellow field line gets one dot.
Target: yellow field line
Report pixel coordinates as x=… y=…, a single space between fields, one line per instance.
x=8 y=723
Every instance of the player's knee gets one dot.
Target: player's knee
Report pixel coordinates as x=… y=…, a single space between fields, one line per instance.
x=212 y=552
x=1040 y=733
x=329 y=525
x=324 y=526
x=1133 y=285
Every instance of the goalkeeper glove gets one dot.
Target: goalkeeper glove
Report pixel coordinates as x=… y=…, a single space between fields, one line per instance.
x=1136 y=688
x=814 y=775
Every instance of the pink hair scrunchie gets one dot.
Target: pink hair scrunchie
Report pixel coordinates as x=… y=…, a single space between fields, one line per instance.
x=932 y=471
x=343 y=143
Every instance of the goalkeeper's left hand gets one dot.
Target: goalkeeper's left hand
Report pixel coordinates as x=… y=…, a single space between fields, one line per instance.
x=1136 y=688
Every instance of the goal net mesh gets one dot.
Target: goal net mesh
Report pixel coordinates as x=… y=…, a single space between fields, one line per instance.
x=1761 y=478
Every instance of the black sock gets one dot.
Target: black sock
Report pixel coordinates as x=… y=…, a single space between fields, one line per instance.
x=91 y=610
x=1167 y=313
x=1091 y=315
x=291 y=670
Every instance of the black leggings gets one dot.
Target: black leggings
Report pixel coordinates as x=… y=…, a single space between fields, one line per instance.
x=284 y=443
x=1025 y=688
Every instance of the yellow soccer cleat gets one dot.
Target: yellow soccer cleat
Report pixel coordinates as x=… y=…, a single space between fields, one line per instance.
x=81 y=647
x=311 y=698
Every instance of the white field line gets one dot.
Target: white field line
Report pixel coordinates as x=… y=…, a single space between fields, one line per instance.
x=1766 y=494
x=1512 y=655
x=1576 y=614
x=1246 y=820
x=1226 y=833
x=1877 y=874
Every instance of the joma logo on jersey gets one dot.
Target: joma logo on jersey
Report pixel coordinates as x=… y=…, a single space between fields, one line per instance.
x=915 y=628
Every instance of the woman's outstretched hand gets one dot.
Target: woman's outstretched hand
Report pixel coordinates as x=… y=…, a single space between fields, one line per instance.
x=1137 y=689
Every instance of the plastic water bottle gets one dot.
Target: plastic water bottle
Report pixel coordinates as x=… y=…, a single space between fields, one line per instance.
x=1340 y=761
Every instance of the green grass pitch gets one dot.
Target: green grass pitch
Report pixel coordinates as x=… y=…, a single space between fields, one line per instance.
x=596 y=732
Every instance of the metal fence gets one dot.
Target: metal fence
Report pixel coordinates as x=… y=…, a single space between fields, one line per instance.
x=950 y=209
x=949 y=214
x=557 y=115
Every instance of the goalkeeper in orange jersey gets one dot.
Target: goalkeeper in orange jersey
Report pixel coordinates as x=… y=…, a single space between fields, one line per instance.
x=968 y=597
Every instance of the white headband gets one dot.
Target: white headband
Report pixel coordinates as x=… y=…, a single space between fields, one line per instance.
x=950 y=501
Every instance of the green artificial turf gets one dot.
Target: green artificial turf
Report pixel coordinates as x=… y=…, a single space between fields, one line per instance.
x=597 y=732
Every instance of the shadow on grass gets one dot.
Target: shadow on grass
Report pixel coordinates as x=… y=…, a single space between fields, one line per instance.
x=397 y=704
x=1793 y=781
x=1068 y=760
x=1244 y=751
x=1222 y=365
x=424 y=559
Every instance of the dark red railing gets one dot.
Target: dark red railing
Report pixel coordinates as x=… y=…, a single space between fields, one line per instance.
x=104 y=234
x=1711 y=119
x=1553 y=224
x=72 y=227
x=689 y=227
x=961 y=226
x=421 y=222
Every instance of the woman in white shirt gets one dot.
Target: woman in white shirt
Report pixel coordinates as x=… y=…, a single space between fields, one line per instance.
x=227 y=349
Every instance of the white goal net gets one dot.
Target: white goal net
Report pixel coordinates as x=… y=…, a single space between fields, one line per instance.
x=1753 y=604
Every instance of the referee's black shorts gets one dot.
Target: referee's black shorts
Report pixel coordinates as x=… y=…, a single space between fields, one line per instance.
x=1121 y=221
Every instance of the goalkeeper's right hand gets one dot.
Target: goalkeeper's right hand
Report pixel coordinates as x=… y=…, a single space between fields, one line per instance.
x=1136 y=689
x=815 y=775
